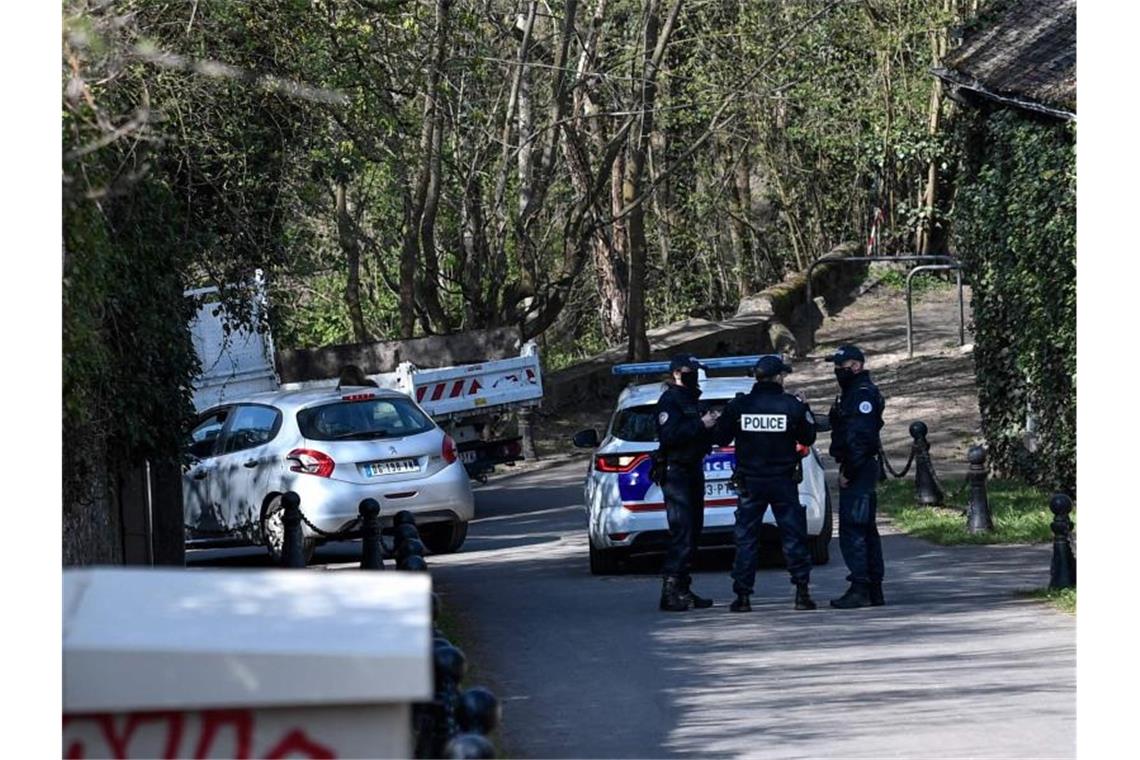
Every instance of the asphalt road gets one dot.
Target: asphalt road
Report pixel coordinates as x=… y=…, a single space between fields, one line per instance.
x=956 y=665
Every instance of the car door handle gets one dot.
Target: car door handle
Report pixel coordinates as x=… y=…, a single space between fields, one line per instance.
x=251 y=463
x=200 y=474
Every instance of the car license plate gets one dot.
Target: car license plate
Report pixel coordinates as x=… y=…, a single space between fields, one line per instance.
x=467 y=457
x=719 y=489
x=391 y=467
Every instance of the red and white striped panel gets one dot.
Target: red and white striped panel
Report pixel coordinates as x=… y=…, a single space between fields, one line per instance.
x=449 y=389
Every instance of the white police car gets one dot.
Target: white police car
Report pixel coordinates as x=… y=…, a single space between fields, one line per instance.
x=626 y=512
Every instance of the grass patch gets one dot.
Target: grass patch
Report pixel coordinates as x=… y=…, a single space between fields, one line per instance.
x=1021 y=513
x=1064 y=599
x=923 y=282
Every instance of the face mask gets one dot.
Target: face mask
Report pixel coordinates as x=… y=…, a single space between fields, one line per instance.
x=689 y=380
x=844 y=376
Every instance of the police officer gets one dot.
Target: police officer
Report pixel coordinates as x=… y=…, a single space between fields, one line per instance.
x=856 y=418
x=684 y=431
x=767 y=423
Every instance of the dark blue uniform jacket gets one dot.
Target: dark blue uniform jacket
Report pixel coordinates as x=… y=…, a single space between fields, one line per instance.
x=767 y=423
x=856 y=418
x=682 y=435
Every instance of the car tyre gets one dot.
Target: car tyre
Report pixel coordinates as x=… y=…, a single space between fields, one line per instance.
x=605 y=561
x=444 y=538
x=273 y=532
x=819 y=545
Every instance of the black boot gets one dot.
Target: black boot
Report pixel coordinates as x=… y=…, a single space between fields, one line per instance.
x=803 y=597
x=671 y=597
x=697 y=602
x=856 y=596
x=875 y=594
x=742 y=604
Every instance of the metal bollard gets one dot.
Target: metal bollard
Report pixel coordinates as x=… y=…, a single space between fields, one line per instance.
x=450 y=667
x=1063 y=570
x=292 y=549
x=408 y=548
x=479 y=711
x=978 y=520
x=926 y=488
x=404 y=517
x=469 y=747
x=371 y=552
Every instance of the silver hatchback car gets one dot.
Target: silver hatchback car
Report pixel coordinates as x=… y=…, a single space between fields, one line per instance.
x=334 y=448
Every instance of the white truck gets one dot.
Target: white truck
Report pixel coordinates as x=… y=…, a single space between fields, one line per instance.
x=471 y=402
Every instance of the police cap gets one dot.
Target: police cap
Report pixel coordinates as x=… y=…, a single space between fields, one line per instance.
x=681 y=361
x=769 y=366
x=846 y=353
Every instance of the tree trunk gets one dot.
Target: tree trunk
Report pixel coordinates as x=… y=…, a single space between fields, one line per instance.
x=350 y=245
x=631 y=188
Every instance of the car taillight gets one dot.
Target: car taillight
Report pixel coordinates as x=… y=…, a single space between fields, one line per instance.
x=311 y=462
x=618 y=462
x=448 y=453
x=802 y=450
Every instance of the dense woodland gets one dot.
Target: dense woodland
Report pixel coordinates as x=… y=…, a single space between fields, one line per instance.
x=583 y=170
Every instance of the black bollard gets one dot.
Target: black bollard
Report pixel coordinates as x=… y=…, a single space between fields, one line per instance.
x=978 y=520
x=450 y=665
x=404 y=517
x=371 y=552
x=479 y=711
x=292 y=549
x=408 y=548
x=1063 y=570
x=405 y=531
x=926 y=488
x=469 y=747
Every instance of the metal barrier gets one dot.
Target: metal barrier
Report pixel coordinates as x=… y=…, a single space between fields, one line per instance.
x=946 y=262
x=910 y=310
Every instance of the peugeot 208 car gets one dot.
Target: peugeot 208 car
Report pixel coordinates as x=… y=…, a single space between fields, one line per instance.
x=334 y=448
x=626 y=511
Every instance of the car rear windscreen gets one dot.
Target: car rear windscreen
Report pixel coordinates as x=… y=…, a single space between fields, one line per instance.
x=639 y=423
x=363 y=420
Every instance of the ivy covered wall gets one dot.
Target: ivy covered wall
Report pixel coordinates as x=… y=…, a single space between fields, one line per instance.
x=1015 y=229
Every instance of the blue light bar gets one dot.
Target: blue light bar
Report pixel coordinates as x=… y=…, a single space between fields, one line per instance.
x=658 y=368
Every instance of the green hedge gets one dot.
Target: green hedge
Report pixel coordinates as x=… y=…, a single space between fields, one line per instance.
x=1015 y=229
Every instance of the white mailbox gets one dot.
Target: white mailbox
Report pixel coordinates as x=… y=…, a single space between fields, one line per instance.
x=243 y=664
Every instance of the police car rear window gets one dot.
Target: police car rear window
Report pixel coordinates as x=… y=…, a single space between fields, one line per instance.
x=639 y=423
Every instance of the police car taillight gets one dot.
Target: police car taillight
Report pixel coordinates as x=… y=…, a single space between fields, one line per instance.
x=618 y=462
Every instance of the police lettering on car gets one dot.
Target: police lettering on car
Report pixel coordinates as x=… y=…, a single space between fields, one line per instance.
x=684 y=434
x=766 y=424
x=856 y=419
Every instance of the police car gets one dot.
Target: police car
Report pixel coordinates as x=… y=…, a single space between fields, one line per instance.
x=626 y=511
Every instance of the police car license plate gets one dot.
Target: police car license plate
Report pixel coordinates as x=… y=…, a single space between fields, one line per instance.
x=391 y=467
x=719 y=489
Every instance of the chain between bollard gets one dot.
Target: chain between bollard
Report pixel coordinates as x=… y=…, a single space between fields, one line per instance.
x=887 y=463
x=336 y=535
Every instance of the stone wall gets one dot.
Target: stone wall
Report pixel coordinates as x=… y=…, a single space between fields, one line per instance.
x=471 y=347
x=778 y=319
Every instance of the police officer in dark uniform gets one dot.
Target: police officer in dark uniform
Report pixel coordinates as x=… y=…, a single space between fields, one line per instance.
x=684 y=431
x=767 y=423
x=856 y=418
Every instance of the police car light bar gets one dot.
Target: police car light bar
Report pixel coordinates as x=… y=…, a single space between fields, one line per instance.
x=658 y=368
